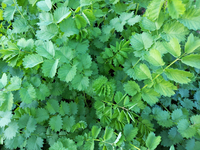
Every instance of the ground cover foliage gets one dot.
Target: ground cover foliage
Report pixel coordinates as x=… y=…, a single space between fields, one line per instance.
x=100 y=74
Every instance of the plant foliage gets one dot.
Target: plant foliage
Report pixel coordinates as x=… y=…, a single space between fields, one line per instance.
x=100 y=74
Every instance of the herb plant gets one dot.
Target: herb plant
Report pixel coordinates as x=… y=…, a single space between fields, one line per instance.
x=100 y=74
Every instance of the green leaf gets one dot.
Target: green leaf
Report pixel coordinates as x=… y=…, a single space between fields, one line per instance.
x=108 y=133
x=148 y=24
x=32 y=60
x=49 y=67
x=153 y=9
x=7 y=103
x=131 y=88
x=47 y=32
x=42 y=92
x=85 y=2
x=175 y=8
x=46 y=50
x=117 y=24
x=41 y=115
x=190 y=18
x=95 y=131
x=142 y=72
x=20 y=25
x=150 y=96
x=173 y=47
x=69 y=27
x=141 y=41
x=134 y=20
x=58 y=146
x=89 y=144
x=68 y=122
x=67 y=72
x=52 y=106
x=80 y=82
x=61 y=13
x=179 y=76
x=174 y=29
x=192 y=60
x=80 y=21
x=154 y=57
x=3 y=81
x=15 y=84
x=28 y=94
x=192 y=44
x=130 y=132
x=35 y=143
x=11 y=131
x=45 y=19
x=8 y=13
x=152 y=141
x=44 y=5
x=164 y=87
x=185 y=129
x=29 y=44
x=5 y=118
x=56 y=123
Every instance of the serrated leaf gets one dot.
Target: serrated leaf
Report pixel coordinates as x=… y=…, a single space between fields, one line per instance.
x=164 y=87
x=56 y=123
x=80 y=82
x=142 y=72
x=130 y=132
x=46 y=50
x=8 y=13
x=5 y=118
x=49 y=67
x=150 y=96
x=152 y=141
x=190 y=18
x=67 y=72
x=108 y=133
x=185 y=129
x=174 y=29
x=153 y=9
x=58 y=146
x=175 y=8
x=52 y=106
x=28 y=94
x=45 y=19
x=131 y=88
x=61 y=13
x=85 y=2
x=32 y=60
x=179 y=76
x=80 y=21
x=47 y=32
x=3 y=81
x=68 y=122
x=141 y=41
x=134 y=20
x=41 y=115
x=11 y=131
x=69 y=27
x=42 y=92
x=7 y=103
x=20 y=25
x=35 y=143
x=26 y=43
x=64 y=108
x=95 y=131
x=173 y=47
x=89 y=144
x=192 y=44
x=15 y=84
x=44 y=5
x=192 y=60
x=154 y=57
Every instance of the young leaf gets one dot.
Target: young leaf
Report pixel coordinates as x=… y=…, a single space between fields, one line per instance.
x=192 y=60
x=154 y=57
x=192 y=43
x=61 y=13
x=131 y=88
x=45 y=5
x=130 y=132
x=28 y=94
x=153 y=9
x=95 y=131
x=179 y=76
x=164 y=87
x=32 y=60
x=108 y=133
x=190 y=18
x=152 y=141
x=141 y=41
x=175 y=8
x=67 y=72
x=150 y=96
x=45 y=19
x=80 y=21
x=49 y=68
x=89 y=144
x=46 y=50
x=80 y=82
x=56 y=123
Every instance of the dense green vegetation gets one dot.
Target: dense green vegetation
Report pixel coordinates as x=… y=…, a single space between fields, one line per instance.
x=100 y=74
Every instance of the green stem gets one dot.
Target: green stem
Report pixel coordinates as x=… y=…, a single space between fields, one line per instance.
x=18 y=9
x=137 y=9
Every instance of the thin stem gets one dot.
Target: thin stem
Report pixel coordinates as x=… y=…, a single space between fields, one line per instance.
x=18 y=9
x=137 y=9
